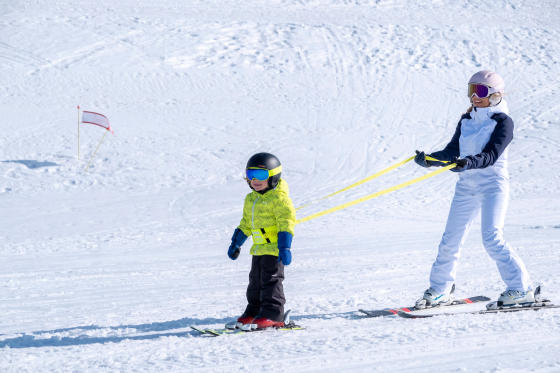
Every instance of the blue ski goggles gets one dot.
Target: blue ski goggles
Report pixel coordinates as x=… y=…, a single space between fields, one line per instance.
x=262 y=173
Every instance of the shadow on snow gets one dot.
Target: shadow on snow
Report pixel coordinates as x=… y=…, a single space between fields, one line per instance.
x=31 y=164
x=121 y=333
x=126 y=332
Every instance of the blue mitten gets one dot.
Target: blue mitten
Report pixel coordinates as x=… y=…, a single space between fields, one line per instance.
x=284 y=245
x=237 y=240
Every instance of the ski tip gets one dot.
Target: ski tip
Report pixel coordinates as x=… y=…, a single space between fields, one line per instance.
x=367 y=312
x=201 y=331
x=378 y=313
x=409 y=315
x=406 y=315
x=205 y=331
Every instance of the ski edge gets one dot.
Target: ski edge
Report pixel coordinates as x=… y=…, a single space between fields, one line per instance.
x=201 y=331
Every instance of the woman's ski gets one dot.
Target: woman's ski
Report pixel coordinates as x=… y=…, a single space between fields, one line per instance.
x=395 y=311
x=532 y=306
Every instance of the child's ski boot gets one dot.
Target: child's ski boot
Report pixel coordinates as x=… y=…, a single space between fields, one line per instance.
x=241 y=321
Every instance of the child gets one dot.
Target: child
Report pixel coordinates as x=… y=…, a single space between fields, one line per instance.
x=269 y=217
x=479 y=148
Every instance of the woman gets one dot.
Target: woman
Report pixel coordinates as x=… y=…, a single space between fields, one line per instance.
x=479 y=148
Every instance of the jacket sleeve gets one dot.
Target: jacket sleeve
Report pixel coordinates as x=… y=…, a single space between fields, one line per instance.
x=245 y=224
x=285 y=214
x=499 y=140
x=451 y=150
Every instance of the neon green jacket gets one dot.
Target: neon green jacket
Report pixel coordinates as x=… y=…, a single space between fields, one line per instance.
x=272 y=210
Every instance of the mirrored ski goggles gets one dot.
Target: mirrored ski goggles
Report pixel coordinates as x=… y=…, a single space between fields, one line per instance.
x=480 y=90
x=262 y=173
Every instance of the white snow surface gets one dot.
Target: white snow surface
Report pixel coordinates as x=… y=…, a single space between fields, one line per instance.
x=105 y=269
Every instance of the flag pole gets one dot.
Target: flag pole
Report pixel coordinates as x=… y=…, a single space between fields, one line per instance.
x=95 y=152
x=78 y=132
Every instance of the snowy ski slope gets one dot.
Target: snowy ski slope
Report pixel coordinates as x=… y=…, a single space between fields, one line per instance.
x=104 y=270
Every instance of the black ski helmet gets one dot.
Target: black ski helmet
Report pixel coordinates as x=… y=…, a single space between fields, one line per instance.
x=268 y=161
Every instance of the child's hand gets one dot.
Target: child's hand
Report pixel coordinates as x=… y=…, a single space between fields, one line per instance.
x=233 y=251
x=285 y=256
x=284 y=244
x=236 y=241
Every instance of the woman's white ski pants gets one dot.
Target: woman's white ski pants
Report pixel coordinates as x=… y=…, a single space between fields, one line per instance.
x=492 y=201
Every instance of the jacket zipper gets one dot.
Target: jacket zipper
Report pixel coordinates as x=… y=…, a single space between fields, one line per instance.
x=253 y=213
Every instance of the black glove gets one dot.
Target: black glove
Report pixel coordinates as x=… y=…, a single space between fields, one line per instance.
x=420 y=159
x=462 y=164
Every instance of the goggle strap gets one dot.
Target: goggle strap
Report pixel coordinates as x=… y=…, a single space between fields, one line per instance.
x=275 y=171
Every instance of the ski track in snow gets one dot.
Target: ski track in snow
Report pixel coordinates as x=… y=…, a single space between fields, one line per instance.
x=105 y=269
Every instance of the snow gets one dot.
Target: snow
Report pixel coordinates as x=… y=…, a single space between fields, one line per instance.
x=105 y=269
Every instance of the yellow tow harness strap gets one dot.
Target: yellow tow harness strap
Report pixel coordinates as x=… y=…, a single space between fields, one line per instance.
x=434 y=159
x=369 y=178
x=380 y=193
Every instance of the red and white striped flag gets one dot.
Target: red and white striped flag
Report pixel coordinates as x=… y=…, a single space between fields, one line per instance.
x=96 y=119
